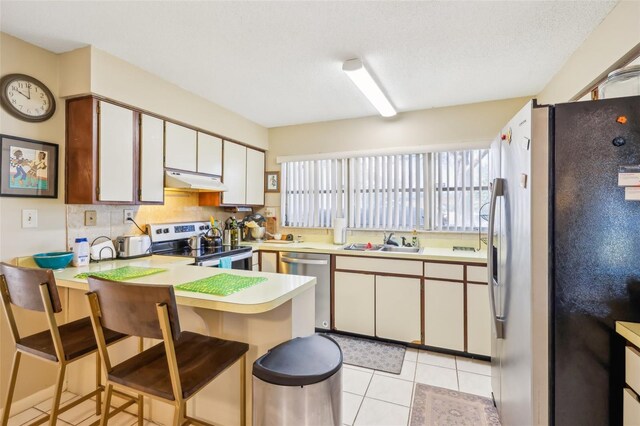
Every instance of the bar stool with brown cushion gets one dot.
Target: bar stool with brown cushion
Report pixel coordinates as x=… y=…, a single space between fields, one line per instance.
x=174 y=370
x=36 y=290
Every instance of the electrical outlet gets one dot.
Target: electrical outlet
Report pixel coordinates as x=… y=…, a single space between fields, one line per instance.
x=90 y=217
x=128 y=214
x=270 y=212
x=29 y=218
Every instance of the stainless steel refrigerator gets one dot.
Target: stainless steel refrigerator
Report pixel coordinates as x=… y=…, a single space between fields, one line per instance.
x=564 y=261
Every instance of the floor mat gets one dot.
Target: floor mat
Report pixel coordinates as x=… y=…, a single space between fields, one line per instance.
x=434 y=406
x=371 y=354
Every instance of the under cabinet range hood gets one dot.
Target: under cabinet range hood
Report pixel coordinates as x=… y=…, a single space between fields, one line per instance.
x=193 y=182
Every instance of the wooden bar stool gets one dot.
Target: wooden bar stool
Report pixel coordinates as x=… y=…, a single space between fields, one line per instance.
x=174 y=370
x=36 y=290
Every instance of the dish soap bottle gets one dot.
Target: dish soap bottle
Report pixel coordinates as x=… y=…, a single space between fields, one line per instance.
x=234 y=232
x=414 y=239
x=80 y=252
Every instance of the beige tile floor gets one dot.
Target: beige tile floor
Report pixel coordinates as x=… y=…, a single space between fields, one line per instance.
x=369 y=397
x=372 y=398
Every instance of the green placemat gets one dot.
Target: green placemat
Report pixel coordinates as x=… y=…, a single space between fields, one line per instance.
x=121 y=274
x=221 y=284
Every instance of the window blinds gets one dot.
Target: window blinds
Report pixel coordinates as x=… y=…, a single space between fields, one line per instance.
x=313 y=192
x=460 y=187
x=387 y=192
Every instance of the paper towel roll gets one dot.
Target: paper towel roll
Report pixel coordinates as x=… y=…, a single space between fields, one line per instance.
x=339 y=230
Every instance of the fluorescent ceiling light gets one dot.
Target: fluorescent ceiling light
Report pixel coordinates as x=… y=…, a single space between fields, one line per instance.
x=357 y=72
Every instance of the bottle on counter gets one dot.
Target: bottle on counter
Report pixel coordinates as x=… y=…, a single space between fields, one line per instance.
x=414 y=239
x=235 y=232
x=80 y=252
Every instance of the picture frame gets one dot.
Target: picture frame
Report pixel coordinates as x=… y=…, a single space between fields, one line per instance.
x=28 y=168
x=271 y=181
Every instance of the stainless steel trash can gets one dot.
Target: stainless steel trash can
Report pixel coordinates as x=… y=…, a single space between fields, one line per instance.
x=299 y=382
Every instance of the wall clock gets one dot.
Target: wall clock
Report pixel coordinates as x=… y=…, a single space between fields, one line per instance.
x=26 y=98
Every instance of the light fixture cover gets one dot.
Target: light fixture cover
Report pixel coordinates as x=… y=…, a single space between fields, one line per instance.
x=358 y=73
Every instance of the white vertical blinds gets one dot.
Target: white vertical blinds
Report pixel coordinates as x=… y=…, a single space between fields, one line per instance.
x=460 y=186
x=313 y=192
x=435 y=191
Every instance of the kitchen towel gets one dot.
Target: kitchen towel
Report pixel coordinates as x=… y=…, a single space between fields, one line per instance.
x=225 y=263
x=121 y=274
x=221 y=284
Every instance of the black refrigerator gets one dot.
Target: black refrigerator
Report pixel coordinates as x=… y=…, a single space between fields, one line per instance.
x=595 y=274
x=563 y=261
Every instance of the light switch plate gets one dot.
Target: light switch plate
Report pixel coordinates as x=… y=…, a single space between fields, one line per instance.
x=90 y=217
x=269 y=212
x=29 y=218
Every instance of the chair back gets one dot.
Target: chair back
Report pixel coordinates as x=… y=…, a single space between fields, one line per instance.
x=23 y=287
x=131 y=308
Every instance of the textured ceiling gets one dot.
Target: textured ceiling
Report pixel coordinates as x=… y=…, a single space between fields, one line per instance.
x=279 y=63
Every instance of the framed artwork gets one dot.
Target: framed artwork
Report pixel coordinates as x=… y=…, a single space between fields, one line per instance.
x=271 y=181
x=28 y=168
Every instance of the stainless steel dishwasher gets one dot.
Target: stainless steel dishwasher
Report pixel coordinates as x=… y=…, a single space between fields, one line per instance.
x=312 y=265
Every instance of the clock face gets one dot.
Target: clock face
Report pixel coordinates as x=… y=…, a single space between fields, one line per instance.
x=26 y=98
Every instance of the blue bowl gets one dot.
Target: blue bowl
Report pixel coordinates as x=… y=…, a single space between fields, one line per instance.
x=53 y=260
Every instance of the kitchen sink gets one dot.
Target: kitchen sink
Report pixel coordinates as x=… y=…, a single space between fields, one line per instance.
x=400 y=249
x=363 y=247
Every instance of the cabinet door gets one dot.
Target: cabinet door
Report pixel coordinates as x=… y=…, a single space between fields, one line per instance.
x=478 y=320
x=630 y=408
x=269 y=261
x=115 y=153
x=355 y=303
x=180 y=147
x=234 y=173
x=398 y=308
x=444 y=314
x=151 y=159
x=209 y=154
x=255 y=177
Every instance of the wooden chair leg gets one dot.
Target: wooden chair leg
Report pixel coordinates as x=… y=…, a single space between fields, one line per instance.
x=12 y=386
x=57 y=393
x=140 y=410
x=106 y=405
x=98 y=384
x=177 y=415
x=243 y=390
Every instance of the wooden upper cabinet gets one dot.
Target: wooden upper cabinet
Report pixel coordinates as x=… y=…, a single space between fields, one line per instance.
x=209 y=154
x=235 y=173
x=255 y=177
x=180 y=147
x=151 y=188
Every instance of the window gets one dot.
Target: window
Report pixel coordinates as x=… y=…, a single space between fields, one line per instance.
x=313 y=192
x=441 y=191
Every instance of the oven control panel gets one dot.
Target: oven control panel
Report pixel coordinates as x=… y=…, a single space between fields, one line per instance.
x=176 y=231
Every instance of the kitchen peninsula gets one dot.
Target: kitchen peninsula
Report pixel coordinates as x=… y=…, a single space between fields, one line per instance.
x=264 y=315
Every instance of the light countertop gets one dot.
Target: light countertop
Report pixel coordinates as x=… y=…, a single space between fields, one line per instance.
x=426 y=253
x=630 y=331
x=263 y=297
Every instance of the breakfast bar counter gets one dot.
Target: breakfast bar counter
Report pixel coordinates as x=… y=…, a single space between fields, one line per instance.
x=268 y=313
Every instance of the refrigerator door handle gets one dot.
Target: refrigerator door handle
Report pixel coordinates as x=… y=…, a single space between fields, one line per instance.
x=497 y=191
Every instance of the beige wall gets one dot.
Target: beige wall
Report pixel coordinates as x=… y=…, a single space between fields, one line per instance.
x=20 y=57
x=618 y=34
x=91 y=70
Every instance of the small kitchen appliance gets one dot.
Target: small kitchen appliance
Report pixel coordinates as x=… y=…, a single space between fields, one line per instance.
x=172 y=239
x=130 y=246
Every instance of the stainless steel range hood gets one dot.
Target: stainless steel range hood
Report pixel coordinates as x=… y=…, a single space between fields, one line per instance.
x=192 y=182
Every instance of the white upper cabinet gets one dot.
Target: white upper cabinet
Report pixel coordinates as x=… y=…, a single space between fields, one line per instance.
x=255 y=177
x=151 y=160
x=115 y=153
x=243 y=174
x=180 y=147
x=209 y=154
x=235 y=173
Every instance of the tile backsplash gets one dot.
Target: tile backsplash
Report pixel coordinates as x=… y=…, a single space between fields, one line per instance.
x=178 y=207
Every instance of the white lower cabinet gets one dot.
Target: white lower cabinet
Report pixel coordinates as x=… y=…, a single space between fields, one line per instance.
x=398 y=308
x=444 y=314
x=630 y=408
x=355 y=303
x=269 y=261
x=478 y=320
